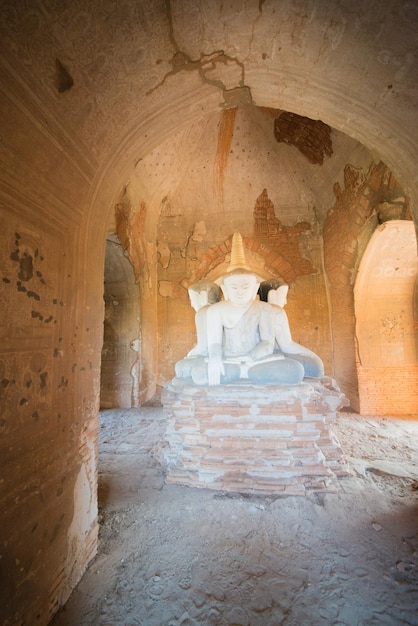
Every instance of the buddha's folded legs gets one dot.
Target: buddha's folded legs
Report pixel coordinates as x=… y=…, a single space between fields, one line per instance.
x=283 y=371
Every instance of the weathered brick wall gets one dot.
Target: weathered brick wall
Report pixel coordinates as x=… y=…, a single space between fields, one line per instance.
x=253 y=439
x=388 y=390
x=347 y=225
x=49 y=392
x=51 y=288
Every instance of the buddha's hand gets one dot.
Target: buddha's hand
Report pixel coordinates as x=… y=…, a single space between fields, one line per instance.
x=261 y=350
x=215 y=369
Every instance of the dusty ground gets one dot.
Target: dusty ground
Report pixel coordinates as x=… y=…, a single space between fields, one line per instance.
x=175 y=556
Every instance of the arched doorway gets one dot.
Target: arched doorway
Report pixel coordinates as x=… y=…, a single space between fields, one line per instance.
x=387 y=363
x=120 y=364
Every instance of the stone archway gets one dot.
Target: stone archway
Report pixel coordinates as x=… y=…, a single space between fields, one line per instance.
x=387 y=363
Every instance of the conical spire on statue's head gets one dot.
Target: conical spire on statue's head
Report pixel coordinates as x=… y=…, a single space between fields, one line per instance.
x=238 y=261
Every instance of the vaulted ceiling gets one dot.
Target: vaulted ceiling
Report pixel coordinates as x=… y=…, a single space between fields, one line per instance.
x=129 y=87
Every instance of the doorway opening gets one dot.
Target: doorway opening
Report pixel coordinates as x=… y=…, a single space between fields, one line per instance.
x=386 y=331
x=121 y=352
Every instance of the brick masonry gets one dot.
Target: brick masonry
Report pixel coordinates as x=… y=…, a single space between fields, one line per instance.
x=252 y=439
x=388 y=390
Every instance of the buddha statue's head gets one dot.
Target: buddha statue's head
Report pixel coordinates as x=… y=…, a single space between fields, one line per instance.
x=278 y=296
x=240 y=286
x=273 y=292
x=204 y=292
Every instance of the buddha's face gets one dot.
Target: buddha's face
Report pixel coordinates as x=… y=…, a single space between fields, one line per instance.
x=278 y=296
x=240 y=288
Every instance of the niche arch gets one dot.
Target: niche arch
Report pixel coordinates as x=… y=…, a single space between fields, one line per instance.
x=385 y=328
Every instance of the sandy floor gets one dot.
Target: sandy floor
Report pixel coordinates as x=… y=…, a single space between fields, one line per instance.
x=175 y=556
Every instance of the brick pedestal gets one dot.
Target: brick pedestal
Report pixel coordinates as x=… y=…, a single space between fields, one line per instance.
x=258 y=439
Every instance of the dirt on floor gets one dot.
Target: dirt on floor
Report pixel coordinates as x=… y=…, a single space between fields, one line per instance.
x=171 y=555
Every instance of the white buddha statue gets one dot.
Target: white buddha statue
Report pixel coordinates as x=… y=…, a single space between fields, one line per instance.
x=202 y=295
x=241 y=335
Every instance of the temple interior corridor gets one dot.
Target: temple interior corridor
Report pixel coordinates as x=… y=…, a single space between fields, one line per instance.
x=137 y=138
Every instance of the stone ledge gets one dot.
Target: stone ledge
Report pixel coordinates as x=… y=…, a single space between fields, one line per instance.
x=246 y=438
